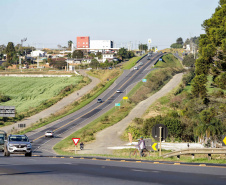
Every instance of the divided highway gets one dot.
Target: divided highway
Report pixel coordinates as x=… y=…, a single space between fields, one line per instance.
x=94 y=109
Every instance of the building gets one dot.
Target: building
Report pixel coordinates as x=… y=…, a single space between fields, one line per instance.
x=101 y=45
x=38 y=53
x=83 y=42
x=108 y=56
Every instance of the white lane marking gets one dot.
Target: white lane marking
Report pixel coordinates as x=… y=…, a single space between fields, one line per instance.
x=139 y=170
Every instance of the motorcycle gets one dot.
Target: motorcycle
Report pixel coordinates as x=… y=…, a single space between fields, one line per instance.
x=81 y=146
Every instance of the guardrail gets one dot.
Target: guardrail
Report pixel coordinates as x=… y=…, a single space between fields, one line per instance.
x=192 y=152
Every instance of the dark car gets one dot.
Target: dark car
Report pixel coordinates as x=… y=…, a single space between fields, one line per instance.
x=99 y=100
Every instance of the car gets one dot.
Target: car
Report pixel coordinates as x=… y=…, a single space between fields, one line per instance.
x=135 y=68
x=141 y=64
x=17 y=144
x=110 y=68
x=118 y=91
x=3 y=137
x=49 y=134
x=99 y=100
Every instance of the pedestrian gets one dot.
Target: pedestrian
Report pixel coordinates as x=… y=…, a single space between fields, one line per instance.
x=141 y=146
x=188 y=145
x=77 y=94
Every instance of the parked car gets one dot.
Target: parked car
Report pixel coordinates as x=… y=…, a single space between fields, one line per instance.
x=49 y=134
x=99 y=100
x=17 y=144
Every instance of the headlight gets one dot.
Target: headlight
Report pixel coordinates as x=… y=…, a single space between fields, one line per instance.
x=29 y=146
x=10 y=145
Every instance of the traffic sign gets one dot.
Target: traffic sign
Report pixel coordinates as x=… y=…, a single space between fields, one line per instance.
x=125 y=98
x=160 y=59
x=151 y=146
x=155 y=146
x=224 y=140
x=144 y=80
x=76 y=140
x=156 y=132
x=149 y=41
x=117 y=104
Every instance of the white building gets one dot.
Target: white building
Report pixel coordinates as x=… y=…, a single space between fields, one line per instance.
x=38 y=53
x=101 y=45
x=108 y=56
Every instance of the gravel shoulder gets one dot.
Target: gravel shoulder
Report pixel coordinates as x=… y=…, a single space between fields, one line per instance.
x=110 y=137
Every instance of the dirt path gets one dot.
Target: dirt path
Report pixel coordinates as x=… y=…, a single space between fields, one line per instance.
x=110 y=136
x=56 y=107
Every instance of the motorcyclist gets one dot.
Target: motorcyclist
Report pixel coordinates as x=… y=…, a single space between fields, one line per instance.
x=81 y=146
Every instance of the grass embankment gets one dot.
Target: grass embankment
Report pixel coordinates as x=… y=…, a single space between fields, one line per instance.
x=106 y=81
x=155 y=80
x=169 y=60
x=32 y=95
x=132 y=62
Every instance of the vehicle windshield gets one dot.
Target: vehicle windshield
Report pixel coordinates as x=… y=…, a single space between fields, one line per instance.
x=18 y=138
x=1 y=139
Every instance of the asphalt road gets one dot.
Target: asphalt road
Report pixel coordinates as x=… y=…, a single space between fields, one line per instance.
x=94 y=109
x=58 y=171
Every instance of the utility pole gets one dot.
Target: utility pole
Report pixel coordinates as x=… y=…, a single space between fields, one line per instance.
x=160 y=139
x=22 y=41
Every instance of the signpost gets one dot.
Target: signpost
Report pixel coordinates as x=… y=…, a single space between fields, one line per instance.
x=153 y=146
x=75 y=140
x=160 y=133
x=7 y=111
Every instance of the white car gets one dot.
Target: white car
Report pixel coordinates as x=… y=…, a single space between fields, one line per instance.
x=135 y=68
x=118 y=91
x=49 y=134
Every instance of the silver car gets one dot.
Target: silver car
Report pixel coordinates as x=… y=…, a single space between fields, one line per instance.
x=17 y=144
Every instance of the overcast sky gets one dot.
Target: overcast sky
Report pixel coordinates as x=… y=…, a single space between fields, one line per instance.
x=47 y=23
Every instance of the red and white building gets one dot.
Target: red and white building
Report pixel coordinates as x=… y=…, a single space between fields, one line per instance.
x=83 y=42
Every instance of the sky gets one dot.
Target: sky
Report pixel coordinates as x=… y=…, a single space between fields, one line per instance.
x=48 y=23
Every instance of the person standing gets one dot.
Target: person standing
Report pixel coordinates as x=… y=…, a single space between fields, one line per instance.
x=141 y=146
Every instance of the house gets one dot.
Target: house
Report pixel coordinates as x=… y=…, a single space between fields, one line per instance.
x=108 y=56
x=72 y=63
x=38 y=53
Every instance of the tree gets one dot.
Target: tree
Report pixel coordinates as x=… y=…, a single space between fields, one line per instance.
x=58 y=63
x=122 y=53
x=94 y=63
x=175 y=45
x=189 y=60
x=5 y=64
x=180 y=41
x=143 y=47
x=10 y=48
x=69 y=44
x=77 y=54
x=209 y=125
x=199 y=86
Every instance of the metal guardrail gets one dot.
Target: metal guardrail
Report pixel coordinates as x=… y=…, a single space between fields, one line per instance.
x=192 y=152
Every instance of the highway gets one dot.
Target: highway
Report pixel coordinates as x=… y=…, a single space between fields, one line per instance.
x=94 y=109
x=58 y=171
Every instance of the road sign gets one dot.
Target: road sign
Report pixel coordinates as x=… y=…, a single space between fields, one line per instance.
x=144 y=80
x=76 y=140
x=160 y=59
x=7 y=111
x=117 y=104
x=149 y=41
x=125 y=98
x=156 y=132
x=154 y=146
x=151 y=146
x=224 y=140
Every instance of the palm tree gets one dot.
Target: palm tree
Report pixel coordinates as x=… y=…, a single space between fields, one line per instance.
x=69 y=43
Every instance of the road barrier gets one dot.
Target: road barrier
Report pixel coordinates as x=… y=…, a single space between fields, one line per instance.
x=192 y=152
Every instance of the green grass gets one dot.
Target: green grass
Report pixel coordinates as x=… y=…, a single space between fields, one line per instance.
x=27 y=93
x=168 y=60
x=83 y=103
x=210 y=88
x=132 y=62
